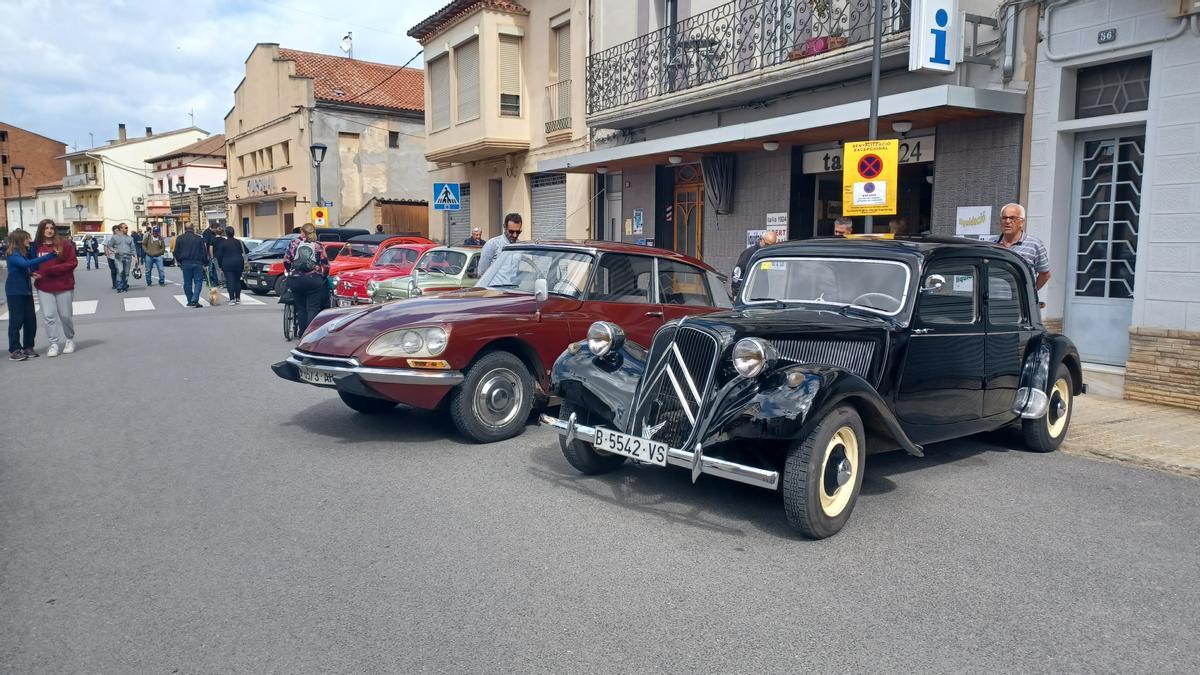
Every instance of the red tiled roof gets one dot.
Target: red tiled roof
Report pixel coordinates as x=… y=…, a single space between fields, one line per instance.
x=341 y=80
x=213 y=146
x=457 y=9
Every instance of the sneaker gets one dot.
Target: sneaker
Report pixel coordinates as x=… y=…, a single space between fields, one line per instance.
x=17 y=356
x=69 y=348
x=52 y=352
x=31 y=353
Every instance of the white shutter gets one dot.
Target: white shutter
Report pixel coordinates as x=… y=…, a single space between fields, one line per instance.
x=458 y=223
x=466 y=61
x=510 y=76
x=563 y=35
x=548 y=192
x=439 y=92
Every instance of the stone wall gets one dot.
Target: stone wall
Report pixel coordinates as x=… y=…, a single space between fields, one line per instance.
x=1164 y=367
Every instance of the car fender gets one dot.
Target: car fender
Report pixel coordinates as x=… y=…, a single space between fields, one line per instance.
x=603 y=385
x=777 y=410
x=1042 y=356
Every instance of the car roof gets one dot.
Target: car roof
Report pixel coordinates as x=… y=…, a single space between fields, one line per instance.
x=912 y=247
x=469 y=250
x=381 y=238
x=596 y=246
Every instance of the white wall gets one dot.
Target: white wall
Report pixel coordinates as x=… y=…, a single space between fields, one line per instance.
x=53 y=204
x=127 y=175
x=14 y=207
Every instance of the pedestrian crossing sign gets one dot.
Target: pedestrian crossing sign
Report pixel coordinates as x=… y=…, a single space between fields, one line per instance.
x=320 y=216
x=447 y=196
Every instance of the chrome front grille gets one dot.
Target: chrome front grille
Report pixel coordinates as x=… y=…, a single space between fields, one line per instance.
x=852 y=355
x=680 y=368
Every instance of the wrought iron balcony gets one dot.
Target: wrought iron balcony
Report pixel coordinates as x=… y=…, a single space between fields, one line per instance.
x=734 y=39
x=81 y=181
x=558 y=106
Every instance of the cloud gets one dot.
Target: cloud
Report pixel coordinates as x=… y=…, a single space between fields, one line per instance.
x=70 y=68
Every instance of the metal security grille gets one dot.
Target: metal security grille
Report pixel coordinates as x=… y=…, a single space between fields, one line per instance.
x=549 y=196
x=852 y=355
x=458 y=223
x=1110 y=205
x=1113 y=88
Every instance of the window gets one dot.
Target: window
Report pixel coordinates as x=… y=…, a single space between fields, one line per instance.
x=948 y=296
x=6 y=180
x=562 y=53
x=682 y=284
x=510 y=76
x=286 y=148
x=270 y=158
x=3 y=159
x=622 y=278
x=1113 y=88
x=3 y=136
x=266 y=208
x=1005 y=306
x=466 y=61
x=393 y=139
x=242 y=165
x=439 y=92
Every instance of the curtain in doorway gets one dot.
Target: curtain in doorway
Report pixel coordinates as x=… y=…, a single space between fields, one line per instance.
x=718 y=180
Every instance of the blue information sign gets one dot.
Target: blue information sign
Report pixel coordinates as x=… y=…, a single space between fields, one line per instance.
x=447 y=197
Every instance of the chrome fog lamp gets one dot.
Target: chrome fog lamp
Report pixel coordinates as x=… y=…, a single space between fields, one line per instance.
x=603 y=337
x=751 y=356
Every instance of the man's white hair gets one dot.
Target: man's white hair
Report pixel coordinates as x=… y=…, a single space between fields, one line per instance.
x=1013 y=205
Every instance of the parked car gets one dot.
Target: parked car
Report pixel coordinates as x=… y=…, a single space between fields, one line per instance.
x=78 y=240
x=394 y=261
x=486 y=351
x=264 y=265
x=363 y=251
x=445 y=268
x=835 y=349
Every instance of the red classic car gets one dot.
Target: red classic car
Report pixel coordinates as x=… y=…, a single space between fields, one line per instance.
x=394 y=261
x=364 y=251
x=486 y=352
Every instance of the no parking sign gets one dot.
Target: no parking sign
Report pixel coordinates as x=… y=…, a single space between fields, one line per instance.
x=869 y=178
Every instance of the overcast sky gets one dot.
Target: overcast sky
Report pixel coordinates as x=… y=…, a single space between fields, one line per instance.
x=70 y=68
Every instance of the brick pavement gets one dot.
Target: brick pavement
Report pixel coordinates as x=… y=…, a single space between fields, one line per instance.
x=1155 y=436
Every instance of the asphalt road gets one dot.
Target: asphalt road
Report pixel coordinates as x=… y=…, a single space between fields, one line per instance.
x=168 y=506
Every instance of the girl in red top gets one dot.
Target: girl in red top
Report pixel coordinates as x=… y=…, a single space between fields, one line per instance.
x=55 y=284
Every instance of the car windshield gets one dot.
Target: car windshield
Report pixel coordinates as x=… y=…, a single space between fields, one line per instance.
x=400 y=257
x=566 y=272
x=879 y=286
x=358 y=251
x=449 y=263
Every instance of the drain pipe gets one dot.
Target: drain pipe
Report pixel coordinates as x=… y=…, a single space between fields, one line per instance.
x=1051 y=56
x=1010 y=43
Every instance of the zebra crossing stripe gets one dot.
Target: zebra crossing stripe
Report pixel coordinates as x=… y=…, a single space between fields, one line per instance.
x=142 y=304
x=84 y=307
x=182 y=299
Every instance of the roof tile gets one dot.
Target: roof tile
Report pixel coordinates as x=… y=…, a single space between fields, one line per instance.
x=338 y=79
x=455 y=10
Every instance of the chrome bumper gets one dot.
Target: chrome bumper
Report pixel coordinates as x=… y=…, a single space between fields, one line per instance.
x=339 y=366
x=696 y=461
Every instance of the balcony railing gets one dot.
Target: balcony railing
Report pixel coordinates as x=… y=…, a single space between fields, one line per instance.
x=78 y=180
x=733 y=39
x=558 y=106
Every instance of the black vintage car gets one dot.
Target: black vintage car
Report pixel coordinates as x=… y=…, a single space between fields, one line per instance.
x=836 y=349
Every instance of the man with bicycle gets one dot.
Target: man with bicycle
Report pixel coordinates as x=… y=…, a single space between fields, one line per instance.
x=306 y=266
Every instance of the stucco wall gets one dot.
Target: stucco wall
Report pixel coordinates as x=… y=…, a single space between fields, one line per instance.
x=762 y=183
x=978 y=163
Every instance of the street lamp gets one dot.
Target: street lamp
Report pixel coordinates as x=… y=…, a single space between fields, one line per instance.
x=318 y=155
x=79 y=215
x=18 y=172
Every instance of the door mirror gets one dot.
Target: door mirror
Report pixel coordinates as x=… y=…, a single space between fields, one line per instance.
x=933 y=283
x=540 y=290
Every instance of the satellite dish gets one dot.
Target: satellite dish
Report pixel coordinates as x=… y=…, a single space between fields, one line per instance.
x=348 y=44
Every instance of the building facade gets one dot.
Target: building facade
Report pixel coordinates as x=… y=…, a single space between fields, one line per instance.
x=53 y=202
x=368 y=116
x=505 y=92
x=713 y=119
x=195 y=168
x=1114 y=190
x=41 y=158
x=110 y=182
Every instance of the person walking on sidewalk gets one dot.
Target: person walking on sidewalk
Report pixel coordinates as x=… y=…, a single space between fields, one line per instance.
x=231 y=258
x=154 y=246
x=55 y=284
x=91 y=250
x=18 y=291
x=111 y=257
x=306 y=265
x=192 y=255
x=137 y=246
x=121 y=245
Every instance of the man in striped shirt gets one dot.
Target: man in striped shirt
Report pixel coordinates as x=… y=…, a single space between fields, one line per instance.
x=1030 y=248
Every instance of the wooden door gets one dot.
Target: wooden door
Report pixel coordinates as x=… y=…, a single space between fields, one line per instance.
x=689 y=210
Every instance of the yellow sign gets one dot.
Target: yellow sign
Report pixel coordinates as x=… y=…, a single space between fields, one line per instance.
x=320 y=216
x=869 y=178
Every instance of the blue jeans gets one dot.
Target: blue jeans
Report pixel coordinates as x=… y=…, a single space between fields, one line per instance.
x=123 y=264
x=153 y=261
x=93 y=259
x=193 y=280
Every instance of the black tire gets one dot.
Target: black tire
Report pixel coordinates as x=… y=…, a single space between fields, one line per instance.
x=813 y=485
x=581 y=454
x=257 y=291
x=494 y=401
x=289 y=322
x=367 y=405
x=280 y=285
x=1046 y=433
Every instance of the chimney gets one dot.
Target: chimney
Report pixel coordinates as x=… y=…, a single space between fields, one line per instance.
x=121 y=132
x=149 y=132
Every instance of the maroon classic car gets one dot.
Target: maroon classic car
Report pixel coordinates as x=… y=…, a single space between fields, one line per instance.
x=486 y=352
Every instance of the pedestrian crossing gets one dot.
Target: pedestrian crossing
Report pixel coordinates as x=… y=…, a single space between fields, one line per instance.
x=139 y=304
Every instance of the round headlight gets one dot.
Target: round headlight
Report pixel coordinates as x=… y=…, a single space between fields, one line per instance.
x=411 y=341
x=751 y=356
x=602 y=337
x=435 y=340
x=334 y=279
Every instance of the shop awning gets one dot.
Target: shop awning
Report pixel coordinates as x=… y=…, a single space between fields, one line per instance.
x=923 y=107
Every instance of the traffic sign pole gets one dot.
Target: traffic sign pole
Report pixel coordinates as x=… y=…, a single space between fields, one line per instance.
x=876 y=56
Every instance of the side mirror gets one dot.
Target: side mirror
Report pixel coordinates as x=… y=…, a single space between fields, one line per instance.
x=933 y=283
x=540 y=290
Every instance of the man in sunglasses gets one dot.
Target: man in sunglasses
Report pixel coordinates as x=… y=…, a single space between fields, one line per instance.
x=510 y=234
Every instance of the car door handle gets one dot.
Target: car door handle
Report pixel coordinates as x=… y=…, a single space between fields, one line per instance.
x=922 y=331
x=658 y=314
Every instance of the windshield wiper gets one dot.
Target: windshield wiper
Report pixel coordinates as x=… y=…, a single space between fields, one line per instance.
x=778 y=303
x=853 y=310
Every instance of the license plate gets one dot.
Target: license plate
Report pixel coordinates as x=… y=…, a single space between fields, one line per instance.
x=314 y=376
x=641 y=449
x=344 y=302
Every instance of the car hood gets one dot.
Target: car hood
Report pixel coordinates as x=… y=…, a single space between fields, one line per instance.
x=340 y=267
x=373 y=274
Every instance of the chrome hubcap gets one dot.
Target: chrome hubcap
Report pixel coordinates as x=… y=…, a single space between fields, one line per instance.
x=843 y=472
x=499 y=397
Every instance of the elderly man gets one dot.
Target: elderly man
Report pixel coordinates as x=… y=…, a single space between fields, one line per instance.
x=843 y=226
x=1014 y=238
x=476 y=238
x=742 y=269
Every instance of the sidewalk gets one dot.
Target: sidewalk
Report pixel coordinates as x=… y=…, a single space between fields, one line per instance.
x=1155 y=436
